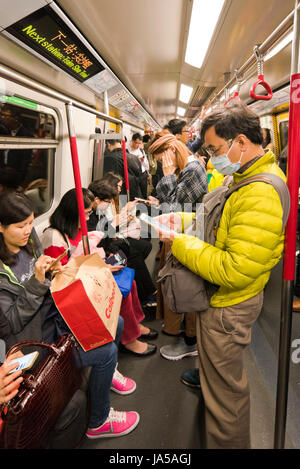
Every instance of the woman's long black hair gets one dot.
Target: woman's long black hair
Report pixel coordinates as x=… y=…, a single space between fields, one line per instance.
x=15 y=207
x=65 y=216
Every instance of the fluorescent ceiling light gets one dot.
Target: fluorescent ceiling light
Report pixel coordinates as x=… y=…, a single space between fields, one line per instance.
x=285 y=41
x=204 y=18
x=185 y=93
x=180 y=111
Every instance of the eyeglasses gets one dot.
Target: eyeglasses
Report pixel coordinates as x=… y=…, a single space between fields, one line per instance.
x=213 y=151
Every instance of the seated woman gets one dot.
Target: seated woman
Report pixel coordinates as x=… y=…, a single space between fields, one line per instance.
x=64 y=232
x=26 y=306
x=123 y=225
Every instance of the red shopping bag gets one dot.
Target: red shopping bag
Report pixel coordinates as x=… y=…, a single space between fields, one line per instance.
x=89 y=300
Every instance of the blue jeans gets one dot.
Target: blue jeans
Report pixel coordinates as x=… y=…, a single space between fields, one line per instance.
x=103 y=361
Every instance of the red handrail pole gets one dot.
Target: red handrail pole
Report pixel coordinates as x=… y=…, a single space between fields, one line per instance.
x=77 y=179
x=125 y=168
x=289 y=264
x=293 y=177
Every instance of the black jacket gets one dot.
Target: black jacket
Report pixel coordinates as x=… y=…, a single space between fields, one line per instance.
x=114 y=162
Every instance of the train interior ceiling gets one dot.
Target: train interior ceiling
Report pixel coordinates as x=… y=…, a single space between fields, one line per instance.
x=137 y=52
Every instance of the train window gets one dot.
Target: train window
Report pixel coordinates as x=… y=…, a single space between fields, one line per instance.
x=27 y=153
x=25 y=123
x=283 y=131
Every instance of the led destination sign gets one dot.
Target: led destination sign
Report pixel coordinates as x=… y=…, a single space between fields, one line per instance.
x=46 y=33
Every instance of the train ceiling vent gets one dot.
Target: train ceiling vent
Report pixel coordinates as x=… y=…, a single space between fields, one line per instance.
x=201 y=95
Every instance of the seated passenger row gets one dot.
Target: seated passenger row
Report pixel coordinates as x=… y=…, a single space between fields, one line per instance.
x=29 y=313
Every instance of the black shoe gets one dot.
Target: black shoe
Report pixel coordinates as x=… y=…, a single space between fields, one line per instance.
x=191 y=378
x=153 y=334
x=151 y=348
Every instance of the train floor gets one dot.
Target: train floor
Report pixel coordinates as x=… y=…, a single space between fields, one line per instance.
x=171 y=413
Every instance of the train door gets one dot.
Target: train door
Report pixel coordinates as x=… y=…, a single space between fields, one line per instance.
x=282 y=126
x=113 y=132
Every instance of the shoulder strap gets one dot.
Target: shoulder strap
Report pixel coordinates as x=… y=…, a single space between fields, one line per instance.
x=278 y=184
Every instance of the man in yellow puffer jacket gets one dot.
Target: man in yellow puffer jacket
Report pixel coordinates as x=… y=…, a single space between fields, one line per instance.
x=249 y=244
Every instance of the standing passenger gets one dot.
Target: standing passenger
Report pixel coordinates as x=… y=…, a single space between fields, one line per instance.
x=135 y=149
x=267 y=142
x=178 y=128
x=113 y=160
x=249 y=243
x=184 y=182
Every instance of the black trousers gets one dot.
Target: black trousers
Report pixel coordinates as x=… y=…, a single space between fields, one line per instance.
x=144 y=185
x=139 y=251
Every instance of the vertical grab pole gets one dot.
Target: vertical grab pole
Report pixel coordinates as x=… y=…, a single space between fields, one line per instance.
x=125 y=168
x=290 y=244
x=77 y=178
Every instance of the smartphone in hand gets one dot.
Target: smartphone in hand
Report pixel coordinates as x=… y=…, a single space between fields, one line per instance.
x=25 y=362
x=158 y=226
x=65 y=253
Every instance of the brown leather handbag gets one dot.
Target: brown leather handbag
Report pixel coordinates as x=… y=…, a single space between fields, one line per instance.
x=42 y=396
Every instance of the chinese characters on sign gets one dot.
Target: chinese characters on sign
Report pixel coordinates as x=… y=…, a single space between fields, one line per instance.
x=44 y=32
x=72 y=50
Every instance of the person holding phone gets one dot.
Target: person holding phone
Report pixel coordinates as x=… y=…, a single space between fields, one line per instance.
x=249 y=242
x=183 y=185
x=29 y=313
x=63 y=231
x=9 y=382
x=126 y=227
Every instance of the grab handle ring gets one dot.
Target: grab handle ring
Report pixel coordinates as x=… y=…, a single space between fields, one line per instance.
x=260 y=79
x=237 y=92
x=234 y=96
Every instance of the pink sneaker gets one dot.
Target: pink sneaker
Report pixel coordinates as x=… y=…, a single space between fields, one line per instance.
x=121 y=384
x=116 y=424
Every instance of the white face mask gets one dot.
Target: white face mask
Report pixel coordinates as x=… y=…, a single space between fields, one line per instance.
x=223 y=164
x=102 y=206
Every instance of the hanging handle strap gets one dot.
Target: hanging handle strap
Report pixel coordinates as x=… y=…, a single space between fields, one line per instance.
x=234 y=96
x=260 y=79
x=237 y=92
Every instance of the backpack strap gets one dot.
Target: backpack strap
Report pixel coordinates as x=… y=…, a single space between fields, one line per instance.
x=278 y=184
